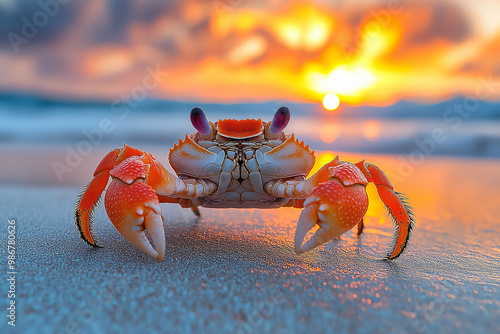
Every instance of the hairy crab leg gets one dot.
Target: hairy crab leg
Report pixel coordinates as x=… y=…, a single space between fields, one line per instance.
x=89 y=198
x=396 y=204
x=361 y=227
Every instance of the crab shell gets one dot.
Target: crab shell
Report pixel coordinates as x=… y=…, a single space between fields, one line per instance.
x=241 y=157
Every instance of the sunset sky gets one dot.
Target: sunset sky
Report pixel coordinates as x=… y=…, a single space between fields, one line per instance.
x=367 y=52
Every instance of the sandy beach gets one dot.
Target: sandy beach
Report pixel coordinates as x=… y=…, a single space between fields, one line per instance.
x=235 y=271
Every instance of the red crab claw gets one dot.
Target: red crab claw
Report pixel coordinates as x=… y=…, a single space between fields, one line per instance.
x=131 y=200
x=133 y=207
x=335 y=206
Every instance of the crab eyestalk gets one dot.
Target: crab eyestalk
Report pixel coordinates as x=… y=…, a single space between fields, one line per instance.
x=279 y=122
x=201 y=123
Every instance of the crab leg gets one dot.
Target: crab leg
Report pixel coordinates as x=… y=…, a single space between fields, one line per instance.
x=361 y=227
x=84 y=212
x=395 y=203
x=299 y=188
x=288 y=188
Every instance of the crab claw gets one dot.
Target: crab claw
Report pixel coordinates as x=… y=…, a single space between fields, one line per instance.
x=335 y=208
x=133 y=209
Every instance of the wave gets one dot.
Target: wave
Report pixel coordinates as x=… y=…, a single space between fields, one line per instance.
x=397 y=129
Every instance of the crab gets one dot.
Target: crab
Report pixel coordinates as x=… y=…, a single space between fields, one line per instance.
x=238 y=164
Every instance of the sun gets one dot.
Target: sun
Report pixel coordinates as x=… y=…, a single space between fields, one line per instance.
x=331 y=101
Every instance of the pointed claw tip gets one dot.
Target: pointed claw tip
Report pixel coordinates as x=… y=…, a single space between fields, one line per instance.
x=161 y=250
x=302 y=249
x=307 y=221
x=390 y=256
x=310 y=245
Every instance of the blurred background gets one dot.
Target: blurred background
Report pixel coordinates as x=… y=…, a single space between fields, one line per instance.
x=411 y=79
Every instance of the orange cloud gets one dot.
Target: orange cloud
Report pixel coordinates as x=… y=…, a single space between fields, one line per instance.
x=371 y=52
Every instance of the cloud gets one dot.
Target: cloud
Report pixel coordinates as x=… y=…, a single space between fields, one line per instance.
x=445 y=21
x=225 y=50
x=49 y=22
x=486 y=61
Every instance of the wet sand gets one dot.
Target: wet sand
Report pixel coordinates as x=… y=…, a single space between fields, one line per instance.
x=235 y=271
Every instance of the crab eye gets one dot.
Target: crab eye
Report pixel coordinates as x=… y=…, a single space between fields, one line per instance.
x=200 y=121
x=280 y=120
